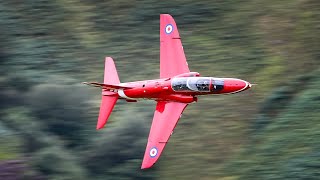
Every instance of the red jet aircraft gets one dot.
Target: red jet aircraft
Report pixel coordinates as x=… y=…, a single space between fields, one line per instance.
x=176 y=88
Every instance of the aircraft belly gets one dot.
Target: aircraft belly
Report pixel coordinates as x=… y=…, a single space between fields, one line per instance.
x=147 y=93
x=123 y=95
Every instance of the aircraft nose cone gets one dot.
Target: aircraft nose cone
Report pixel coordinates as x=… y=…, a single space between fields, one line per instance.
x=241 y=85
x=236 y=85
x=245 y=85
x=248 y=85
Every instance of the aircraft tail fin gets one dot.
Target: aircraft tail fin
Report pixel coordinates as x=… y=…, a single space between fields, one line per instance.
x=111 y=79
x=109 y=98
x=106 y=107
x=110 y=72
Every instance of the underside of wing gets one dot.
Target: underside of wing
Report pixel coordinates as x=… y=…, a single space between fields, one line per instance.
x=165 y=119
x=172 y=58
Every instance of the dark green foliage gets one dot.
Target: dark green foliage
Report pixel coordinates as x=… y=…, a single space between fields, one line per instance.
x=64 y=109
x=56 y=163
x=287 y=146
x=118 y=152
x=47 y=118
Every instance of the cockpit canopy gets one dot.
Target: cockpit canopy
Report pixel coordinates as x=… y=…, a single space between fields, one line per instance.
x=199 y=84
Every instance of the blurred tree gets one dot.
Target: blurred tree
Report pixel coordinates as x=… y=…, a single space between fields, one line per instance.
x=62 y=110
x=118 y=152
x=57 y=163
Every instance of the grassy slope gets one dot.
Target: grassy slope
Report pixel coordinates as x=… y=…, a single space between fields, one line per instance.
x=270 y=43
x=284 y=140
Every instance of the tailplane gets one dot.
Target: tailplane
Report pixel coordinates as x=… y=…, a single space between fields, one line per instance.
x=106 y=87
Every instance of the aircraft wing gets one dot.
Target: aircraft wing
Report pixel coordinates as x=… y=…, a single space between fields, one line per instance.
x=165 y=119
x=172 y=58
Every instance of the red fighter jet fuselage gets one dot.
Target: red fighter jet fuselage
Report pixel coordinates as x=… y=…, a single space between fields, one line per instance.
x=183 y=88
x=173 y=91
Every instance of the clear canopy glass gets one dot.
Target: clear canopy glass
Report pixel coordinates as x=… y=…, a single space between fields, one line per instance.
x=199 y=84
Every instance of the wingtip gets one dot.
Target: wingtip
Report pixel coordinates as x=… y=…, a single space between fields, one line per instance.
x=146 y=166
x=106 y=59
x=99 y=126
x=166 y=14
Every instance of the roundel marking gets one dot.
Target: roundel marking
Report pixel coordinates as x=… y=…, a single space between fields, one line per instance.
x=169 y=29
x=153 y=152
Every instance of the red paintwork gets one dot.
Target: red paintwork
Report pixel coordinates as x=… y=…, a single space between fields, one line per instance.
x=161 y=90
x=165 y=118
x=107 y=104
x=108 y=99
x=172 y=58
x=176 y=88
x=110 y=72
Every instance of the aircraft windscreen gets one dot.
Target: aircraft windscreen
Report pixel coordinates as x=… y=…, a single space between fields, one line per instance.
x=217 y=84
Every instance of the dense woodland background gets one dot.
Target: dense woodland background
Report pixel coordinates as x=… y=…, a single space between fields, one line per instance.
x=48 y=118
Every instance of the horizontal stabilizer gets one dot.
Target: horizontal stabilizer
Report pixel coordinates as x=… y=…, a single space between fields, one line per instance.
x=106 y=86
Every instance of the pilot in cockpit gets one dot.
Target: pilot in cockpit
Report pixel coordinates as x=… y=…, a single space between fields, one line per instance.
x=203 y=84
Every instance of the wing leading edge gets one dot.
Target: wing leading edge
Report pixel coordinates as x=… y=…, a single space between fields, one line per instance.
x=172 y=58
x=165 y=119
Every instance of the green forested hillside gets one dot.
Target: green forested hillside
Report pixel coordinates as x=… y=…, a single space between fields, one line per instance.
x=47 y=117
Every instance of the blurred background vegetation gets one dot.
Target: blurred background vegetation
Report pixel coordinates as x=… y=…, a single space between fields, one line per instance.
x=47 y=118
